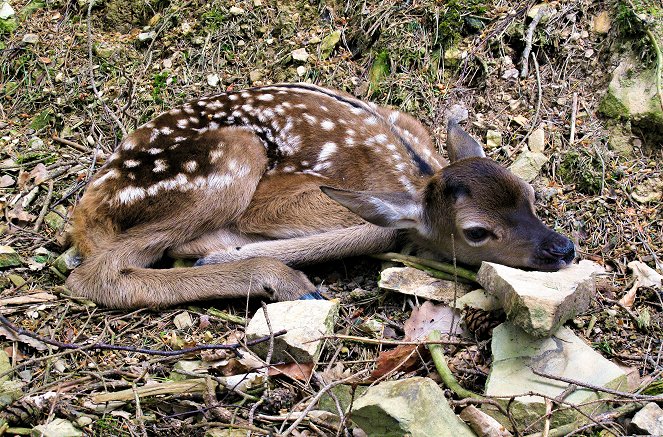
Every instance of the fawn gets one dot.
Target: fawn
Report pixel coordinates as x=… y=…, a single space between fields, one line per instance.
x=253 y=182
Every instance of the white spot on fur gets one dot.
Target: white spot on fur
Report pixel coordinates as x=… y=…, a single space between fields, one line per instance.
x=286 y=104
x=182 y=123
x=266 y=97
x=194 y=119
x=215 y=105
x=189 y=110
x=394 y=116
x=128 y=144
x=327 y=124
x=310 y=119
x=179 y=139
x=215 y=155
x=324 y=108
x=246 y=94
x=153 y=136
x=154 y=151
x=159 y=166
x=233 y=96
x=166 y=130
x=371 y=121
x=149 y=125
x=130 y=194
x=288 y=169
x=216 y=180
x=111 y=174
x=322 y=166
x=131 y=163
x=190 y=166
x=381 y=138
x=328 y=149
x=247 y=108
x=301 y=106
x=176 y=111
x=356 y=110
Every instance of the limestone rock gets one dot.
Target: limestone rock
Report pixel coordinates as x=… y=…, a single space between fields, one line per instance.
x=537 y=140
x=493 y=139
x=408 y=280
x=516 y=353
x=305 y=320
x=69 y=260
x=478 y=299
x=649 y=420
x=528 y=165
x=540 y=302
x=57 y=428
x=632 y=96
x=414 y=407
x=9 y=257
x=6 y=11
x=329 y=43
x=300 y=55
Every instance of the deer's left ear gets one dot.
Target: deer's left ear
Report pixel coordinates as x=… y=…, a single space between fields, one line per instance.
x=389 y=210
x=460 y=144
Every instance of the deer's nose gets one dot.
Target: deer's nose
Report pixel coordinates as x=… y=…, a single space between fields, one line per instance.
x=561 y=248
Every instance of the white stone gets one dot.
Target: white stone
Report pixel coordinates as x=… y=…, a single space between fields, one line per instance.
x=57 y=428
x=30 y=38
x=540 y=302
x=493 y=139
x=516 y=353
x=234 y=10
x=649 y=420
x=301 y=71
x=6 y=11
x=213 y=79
x=305 y=320
x=415 y=406
x=478 y=299
x=408 y=280
x=300 y=55
x=528 y=165
x=537 y=140
x=183 y=320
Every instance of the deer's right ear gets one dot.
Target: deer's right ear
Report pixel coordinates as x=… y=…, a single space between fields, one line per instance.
x=460 y=144
x=389 y=210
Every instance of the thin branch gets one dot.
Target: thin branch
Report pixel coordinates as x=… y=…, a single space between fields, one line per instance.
x=528 y=40
x=443 y=369
x=105 y=346
x=447 y=268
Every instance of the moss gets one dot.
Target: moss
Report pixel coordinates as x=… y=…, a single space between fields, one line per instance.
x=583 y=170
x=8 y=26
x=611 y=107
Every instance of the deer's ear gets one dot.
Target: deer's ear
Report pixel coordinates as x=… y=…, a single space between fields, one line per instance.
x=389 y=210
x=460 y=144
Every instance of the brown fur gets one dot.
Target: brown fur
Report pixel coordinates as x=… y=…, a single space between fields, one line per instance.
x=236 y=178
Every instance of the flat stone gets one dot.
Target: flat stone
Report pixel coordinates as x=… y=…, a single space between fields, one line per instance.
x=30 y=38
x=537 y=140
x=54 y=219
x=57 y=428
x=478 y=299
x=147 y=36
x=213 y=79
x=6 y=11
x=10 y=391
x=649 y=420
x=329 y=43
x=183 y=320
x=9 y=257
x=305 y=321
x=528 y=165
x=234 y=10
x=415 y=407
x=516 y=353
x=540 y=302
x=69 y=260
x=408 y=280
x=300 y=55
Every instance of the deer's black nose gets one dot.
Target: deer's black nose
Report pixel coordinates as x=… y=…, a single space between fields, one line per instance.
x=560 y=248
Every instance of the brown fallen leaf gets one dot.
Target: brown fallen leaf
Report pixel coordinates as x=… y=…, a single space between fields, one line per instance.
x=644 y=276
x=403 y=358
x=11 y=336
x=296 y=371
x=19 y=215
x=430 y=317
x=39 y=173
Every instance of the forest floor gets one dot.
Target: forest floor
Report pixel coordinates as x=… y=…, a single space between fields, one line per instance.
x=74 y=79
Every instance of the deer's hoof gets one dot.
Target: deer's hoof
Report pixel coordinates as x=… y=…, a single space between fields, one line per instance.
x=312 y=296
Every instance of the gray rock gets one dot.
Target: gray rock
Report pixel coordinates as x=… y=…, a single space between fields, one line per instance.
x=305 y=321
x=68 y=261
x=632 y=96
x=649 y=420
x=329 y=43
x=147 y=36
x=457 y=113
x=408 y=280
x=6 y=11
x=516 y=353
x=9 y=257
x=55 y=219
x=537 y=140
x=414 y=407
x=300 y=55
x=540 y=302
x=528 y=165
x=56 y=428
x=493 y=139
x=30 y=38
x=478 y=299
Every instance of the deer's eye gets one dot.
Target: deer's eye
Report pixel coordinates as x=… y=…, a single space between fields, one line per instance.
x=476 y=234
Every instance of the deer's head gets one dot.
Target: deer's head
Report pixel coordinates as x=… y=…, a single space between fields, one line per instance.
x=473 y=209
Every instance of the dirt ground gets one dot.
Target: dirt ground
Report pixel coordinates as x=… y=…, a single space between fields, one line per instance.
x=75 y=78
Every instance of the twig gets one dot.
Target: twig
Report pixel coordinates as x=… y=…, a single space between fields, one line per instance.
x=139 y=411
x=392 y=342
x=659 y=64
x=317 y=397
x=105 y=346
x=44 y=207
x=574 y=113
x=71 y=144
x=598 y=388
x=528 y=40
x=443 y=267
x=445 y=373
x=539 y=98
x=630 y=313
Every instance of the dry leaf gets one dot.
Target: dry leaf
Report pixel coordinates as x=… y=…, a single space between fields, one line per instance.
x=335 y=373
x=644 y=276
x=28 y=299
x=297 y=371
x=429 y=317
x=23 y=178
x=19 y=215
x=403 y=358
x=11 y=336
x=6 y=181
x=39 y=173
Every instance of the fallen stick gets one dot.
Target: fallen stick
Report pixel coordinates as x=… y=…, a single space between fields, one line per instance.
x=445 y=373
